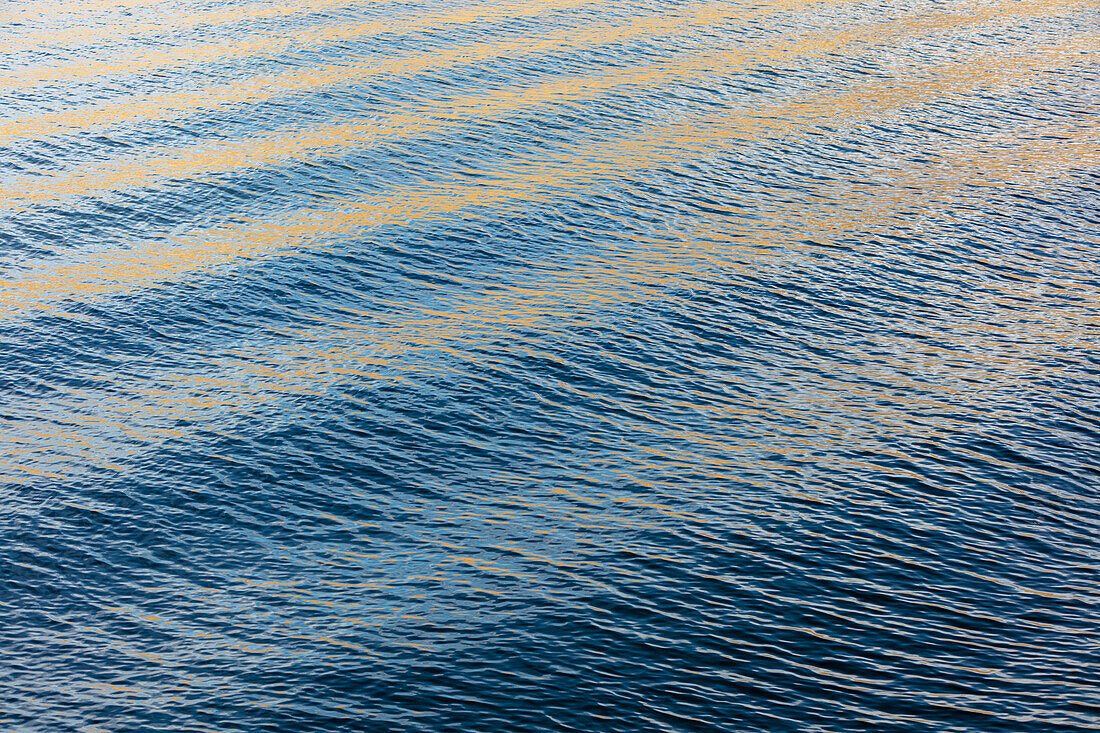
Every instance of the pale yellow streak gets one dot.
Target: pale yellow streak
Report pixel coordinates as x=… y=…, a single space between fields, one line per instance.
x=391 y=341
x=380 y=337
x=38 y=10
x=153 y=167
x=188 y=55
x=33 y=36
x=152 y=264
x=258 y=89
x=123 y=269
x=147 y=265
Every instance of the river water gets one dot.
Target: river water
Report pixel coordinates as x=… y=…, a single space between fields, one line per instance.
x=551 y=366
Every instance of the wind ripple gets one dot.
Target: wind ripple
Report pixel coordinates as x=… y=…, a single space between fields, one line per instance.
x=550 y=366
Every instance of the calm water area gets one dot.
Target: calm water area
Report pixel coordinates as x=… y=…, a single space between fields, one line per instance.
x=560 y=365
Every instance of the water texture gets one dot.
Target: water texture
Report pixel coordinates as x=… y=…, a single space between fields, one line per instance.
x=660 y=365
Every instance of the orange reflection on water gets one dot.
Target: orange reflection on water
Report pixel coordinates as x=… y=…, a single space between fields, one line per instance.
x=175 y=257
x=152 y=264
x=399 y=344
x=257 y=89
x=32 y=9
x=143 y=59
x=85 y=23
x=155 y=166
x=384 y=345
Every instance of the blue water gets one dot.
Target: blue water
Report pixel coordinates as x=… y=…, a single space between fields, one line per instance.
x=550 y=366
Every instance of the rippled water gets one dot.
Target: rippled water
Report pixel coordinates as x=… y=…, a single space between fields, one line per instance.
x=565 y=365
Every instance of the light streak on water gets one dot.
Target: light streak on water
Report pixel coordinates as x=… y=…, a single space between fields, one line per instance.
x=549 y=366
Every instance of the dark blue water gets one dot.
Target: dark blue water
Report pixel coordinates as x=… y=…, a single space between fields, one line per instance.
x=550 y=366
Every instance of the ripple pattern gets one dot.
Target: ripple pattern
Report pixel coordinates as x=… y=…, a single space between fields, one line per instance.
x=662 y=365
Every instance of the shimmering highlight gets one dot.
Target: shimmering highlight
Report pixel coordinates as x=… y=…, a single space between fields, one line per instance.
x=558 y=367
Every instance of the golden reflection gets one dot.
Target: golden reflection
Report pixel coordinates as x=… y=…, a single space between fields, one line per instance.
x=142 y=59
x=67 y=9
x=1053 y=149
x=258 y=89
x=394 y=346
x=716 y=129
x=388 y=346
x=1056 y=150
x=51 y=25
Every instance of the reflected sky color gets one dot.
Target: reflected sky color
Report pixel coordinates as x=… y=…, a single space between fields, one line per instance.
x=34 y=26
x=145 y=59
x=549 y=366
x=152 y=167
x=384 y=348
x=1046 y=151
x=256 y=89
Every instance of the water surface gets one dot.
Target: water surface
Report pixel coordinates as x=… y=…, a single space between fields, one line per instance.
x=565 y=365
